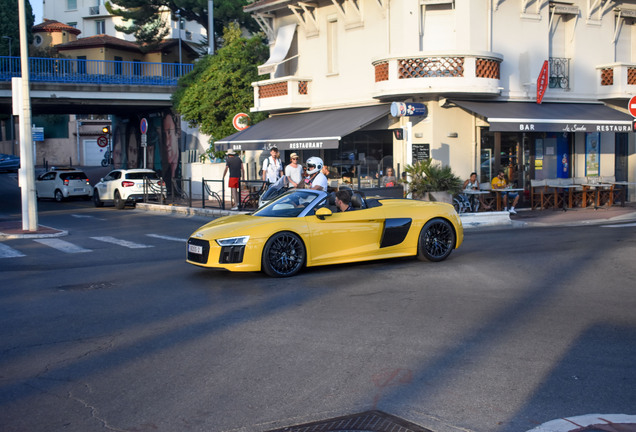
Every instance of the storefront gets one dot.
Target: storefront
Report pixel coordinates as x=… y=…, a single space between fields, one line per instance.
x=551 y=140
x=349 y=140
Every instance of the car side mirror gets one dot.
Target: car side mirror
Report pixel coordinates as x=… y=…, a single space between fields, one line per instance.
x=323 y=212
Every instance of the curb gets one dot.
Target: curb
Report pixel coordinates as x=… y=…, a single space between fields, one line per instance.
x=187 y=211
x=485 y=219
x=43 y=232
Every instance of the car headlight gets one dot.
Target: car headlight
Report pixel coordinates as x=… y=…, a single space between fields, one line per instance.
x=233 y=241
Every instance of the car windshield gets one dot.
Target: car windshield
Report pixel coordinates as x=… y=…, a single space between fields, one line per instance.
x=73 y=176
x=289 y=205
x=142 y=175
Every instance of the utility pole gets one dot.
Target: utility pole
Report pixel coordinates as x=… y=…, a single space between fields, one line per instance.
x=27 y=170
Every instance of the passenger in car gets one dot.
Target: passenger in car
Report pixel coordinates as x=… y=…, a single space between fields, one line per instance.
x=343 y=200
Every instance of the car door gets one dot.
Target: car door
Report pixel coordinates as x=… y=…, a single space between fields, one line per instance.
x=345 y=237
x=107 y=186
x=45 y=185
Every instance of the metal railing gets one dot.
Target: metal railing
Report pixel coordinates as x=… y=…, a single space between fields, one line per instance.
x=81 y=71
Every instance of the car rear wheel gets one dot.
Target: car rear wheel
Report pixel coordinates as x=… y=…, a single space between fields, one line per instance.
x=437 y=240
x=283 y=255
x=119 y=203
x=59 y=197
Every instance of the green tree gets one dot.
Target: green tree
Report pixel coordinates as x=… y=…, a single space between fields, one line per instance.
x=10 y=27
x=220 y=86
x=148 y=29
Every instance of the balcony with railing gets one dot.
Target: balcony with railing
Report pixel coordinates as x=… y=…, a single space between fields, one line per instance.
x=450 y=73
x=616 y=81
x=286 y=93
x=79 y=71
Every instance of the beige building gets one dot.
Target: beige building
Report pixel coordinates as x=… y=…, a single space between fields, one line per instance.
x=476 y=67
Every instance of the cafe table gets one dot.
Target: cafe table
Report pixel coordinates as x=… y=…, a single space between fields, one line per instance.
x=596 y=187
x=507 y=191
x=472 y=193
x=624 y=185
x=563 y=188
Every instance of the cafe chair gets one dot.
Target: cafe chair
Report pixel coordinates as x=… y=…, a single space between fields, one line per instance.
x=489 y=200
x=540 y=195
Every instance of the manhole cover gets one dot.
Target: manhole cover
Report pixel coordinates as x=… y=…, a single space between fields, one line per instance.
x=369 y=421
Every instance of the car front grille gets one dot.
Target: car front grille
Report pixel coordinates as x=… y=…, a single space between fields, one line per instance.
x=198 y=258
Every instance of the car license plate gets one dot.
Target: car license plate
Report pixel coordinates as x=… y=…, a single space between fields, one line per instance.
x=195 y=249
x=78 y=190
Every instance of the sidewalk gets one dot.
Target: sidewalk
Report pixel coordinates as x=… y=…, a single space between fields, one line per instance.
x=525 y=218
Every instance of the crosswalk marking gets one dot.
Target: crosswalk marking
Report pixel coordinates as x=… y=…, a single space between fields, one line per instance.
x=62 y=245
x=163 y=237
x=119 y=242
x=9 y=252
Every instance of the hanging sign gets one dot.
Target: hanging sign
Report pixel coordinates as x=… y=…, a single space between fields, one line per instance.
x=542 y=82
x=401 y=109
x=241 y=121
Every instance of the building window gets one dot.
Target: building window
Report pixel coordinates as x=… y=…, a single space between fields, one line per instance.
x=71 y=4
x=625 y=40
x=437 y=26
x=561 y=47
x=100 y=27
x=332 y=46
x=72 y=24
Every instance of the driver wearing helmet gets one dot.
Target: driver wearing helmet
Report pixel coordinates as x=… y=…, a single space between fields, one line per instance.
x=317 y=179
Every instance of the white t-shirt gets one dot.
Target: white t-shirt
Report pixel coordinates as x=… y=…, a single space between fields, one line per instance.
x=272 y=168
x=320 y=180
x=295 y=174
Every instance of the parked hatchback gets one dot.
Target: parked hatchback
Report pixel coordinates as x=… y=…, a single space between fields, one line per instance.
x=62 y=183
x=128 y=186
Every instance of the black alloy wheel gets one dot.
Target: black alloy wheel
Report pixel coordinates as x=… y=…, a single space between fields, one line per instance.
x=283 y=255
x=437 y=240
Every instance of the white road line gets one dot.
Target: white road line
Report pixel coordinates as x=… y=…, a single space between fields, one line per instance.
x=120 y=242
x=8 y=252
x=87 y=217
x=62 y=245
x=163 y=237
x=619 y=225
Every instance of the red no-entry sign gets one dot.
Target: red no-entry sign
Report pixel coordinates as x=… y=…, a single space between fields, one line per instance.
x=102 y=141
x=632 y=106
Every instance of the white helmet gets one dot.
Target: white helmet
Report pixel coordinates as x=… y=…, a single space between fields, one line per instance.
x=314 y=164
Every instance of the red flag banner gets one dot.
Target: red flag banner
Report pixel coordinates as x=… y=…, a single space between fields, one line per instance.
x=542 y=82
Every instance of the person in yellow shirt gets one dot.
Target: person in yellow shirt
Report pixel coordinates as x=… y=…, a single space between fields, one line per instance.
x=500 y=182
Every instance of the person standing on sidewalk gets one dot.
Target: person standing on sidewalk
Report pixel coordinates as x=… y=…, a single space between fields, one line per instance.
x=272 y=167
x=235 y=165
x=294 y=171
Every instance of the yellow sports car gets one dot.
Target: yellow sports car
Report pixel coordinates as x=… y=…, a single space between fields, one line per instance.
x=302 y=228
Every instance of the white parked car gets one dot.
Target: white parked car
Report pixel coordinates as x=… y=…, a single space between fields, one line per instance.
x=62 y=183
x=128 y=186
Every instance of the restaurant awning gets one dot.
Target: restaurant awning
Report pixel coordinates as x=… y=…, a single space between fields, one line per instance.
x=549 y=117
x=304 y=131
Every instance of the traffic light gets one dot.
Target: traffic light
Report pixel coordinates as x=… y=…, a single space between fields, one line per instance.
x=634 y=125
x=106 y=130
x=398 y=133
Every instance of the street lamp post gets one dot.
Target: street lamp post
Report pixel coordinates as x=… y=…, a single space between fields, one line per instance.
x=179 y=30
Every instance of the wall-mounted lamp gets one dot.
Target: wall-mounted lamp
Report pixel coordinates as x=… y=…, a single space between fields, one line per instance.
x=419 y=134
x=452 y=135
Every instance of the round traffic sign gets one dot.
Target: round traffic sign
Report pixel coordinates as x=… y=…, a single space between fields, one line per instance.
x=102 y=141
x=143 y=125
x=632 y=106
x=240 y=121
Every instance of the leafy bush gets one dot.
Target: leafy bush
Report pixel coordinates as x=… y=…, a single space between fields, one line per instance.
x=426 y=176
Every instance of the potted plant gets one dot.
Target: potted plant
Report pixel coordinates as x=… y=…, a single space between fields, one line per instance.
x=430 y=181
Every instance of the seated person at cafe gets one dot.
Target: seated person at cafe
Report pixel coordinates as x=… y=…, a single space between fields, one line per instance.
x=343 y=200
x=473 y=184
x=388 y=180
x=500 y=182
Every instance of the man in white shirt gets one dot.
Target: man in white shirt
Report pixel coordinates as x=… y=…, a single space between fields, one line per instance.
x=272 y=167
x=294 y=171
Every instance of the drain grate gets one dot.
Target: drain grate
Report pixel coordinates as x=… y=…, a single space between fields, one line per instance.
x=369 y=421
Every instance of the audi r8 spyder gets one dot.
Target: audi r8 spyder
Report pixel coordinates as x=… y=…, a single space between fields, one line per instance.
x=302 y=228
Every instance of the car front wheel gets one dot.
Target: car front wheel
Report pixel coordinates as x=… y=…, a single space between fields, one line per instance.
x=119 y=203
x=283 y=255
x=437 y=240
x=98 y=202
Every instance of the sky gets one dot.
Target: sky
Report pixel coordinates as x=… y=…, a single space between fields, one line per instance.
x=36 y=5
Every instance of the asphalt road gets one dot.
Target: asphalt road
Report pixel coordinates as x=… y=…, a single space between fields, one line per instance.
x=516 y=328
